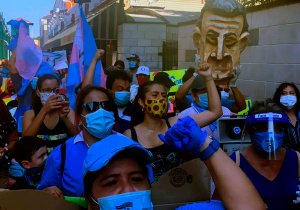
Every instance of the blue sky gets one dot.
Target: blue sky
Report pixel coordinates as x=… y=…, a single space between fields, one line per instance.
x=31 y=10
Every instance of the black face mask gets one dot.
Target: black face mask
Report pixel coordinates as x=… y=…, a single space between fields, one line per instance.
x=34 y=175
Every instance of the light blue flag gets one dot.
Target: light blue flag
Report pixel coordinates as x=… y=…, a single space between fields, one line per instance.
x=83 y=50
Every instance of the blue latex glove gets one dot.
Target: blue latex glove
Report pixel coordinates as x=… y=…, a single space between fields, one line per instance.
x=185 y=135
x=297 y=200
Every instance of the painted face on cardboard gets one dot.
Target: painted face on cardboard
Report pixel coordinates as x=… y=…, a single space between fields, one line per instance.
x=219 y=42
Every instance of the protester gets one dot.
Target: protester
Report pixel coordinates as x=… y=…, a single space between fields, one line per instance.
x=287 y=96
x=143 y=76
x=25 y=100
x=95 y=114
x=116 y=174
x=8 y=136
x=163 y=78
x=118 y=84
x=61 y=70
x=183 y=97
x=50 y=117
x=31 y=153
x=149 y=120
x=133 y=63
x=273 y=169
x=120 y=64
x=200 y=104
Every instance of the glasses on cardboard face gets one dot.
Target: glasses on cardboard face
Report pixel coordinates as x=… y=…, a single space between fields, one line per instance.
x=95 y=105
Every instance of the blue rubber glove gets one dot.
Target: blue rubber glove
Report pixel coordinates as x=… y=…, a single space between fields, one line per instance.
x=185 y=135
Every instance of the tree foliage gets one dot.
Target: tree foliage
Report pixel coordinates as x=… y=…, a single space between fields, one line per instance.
x=250 y=3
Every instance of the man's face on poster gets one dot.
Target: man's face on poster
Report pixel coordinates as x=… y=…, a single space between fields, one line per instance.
x=220 y=41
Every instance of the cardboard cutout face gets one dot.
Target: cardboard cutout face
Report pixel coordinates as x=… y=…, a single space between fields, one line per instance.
x=219 y=42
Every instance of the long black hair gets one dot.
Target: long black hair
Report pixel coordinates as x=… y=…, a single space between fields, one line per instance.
x=36 y=101
x=138 y=115
x=279 y=91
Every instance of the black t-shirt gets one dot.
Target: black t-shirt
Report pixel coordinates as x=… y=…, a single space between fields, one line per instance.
x=164 y=156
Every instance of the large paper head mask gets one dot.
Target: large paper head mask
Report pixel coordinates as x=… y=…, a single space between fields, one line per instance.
x=221 y=35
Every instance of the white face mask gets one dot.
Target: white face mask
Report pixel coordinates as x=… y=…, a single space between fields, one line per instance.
x=45 y=96
x=288 y=101
x=224 y=94
x=140 y=200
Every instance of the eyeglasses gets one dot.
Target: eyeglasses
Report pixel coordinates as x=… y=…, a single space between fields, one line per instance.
x=49 y=90
x=95 y=105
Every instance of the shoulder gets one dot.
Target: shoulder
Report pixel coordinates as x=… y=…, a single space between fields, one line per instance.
x=29 y=113
x=127 y=133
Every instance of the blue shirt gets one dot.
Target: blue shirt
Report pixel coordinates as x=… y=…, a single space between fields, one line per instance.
x=279 y=193
x=70 y=182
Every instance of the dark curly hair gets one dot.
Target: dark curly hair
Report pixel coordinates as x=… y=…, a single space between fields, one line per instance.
x=279 y=91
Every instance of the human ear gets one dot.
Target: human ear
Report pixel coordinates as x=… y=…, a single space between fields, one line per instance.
x=25 y=164
x=141 y=103
x=244 y=40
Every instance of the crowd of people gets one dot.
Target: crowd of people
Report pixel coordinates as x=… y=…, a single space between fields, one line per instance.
x=120 y=139
x=124 y=139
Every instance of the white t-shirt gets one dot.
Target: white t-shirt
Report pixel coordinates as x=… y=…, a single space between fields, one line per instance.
x=191 y=111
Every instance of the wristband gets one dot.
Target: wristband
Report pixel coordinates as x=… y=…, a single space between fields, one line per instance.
x=195 y=74
x=210 y=150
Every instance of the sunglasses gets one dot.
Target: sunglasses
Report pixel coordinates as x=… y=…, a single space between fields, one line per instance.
x=224 y=89
x=95 y=105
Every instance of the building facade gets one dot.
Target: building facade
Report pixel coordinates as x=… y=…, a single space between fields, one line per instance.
x=121 y=27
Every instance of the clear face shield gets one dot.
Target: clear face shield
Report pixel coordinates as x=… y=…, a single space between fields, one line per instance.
x=266 y=132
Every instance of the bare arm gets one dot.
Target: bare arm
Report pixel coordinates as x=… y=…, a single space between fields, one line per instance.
x=181 y=93
x=239 y=98
x=89 y=76
x=214 y=104
x=32 y=122
x=68 y=117
x=12 y=63
x=234 y=187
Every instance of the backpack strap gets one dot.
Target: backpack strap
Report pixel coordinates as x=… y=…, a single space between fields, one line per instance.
x=298 y=155
x=237 y=158
x=133 y=134
x=63 y=151
x=168 y=123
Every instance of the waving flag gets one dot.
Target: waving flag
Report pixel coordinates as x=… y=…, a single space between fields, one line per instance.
x=28 y=57
x=83 y=50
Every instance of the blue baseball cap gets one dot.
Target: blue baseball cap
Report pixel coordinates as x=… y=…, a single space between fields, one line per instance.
x=101 y=152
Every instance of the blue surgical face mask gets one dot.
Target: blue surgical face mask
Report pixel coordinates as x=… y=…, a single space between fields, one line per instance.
x=100 y=123
x=224 y=95
x=132 y=64
x=267 y=141
x=140 y=200
x=203 y=100
x=122 y=98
